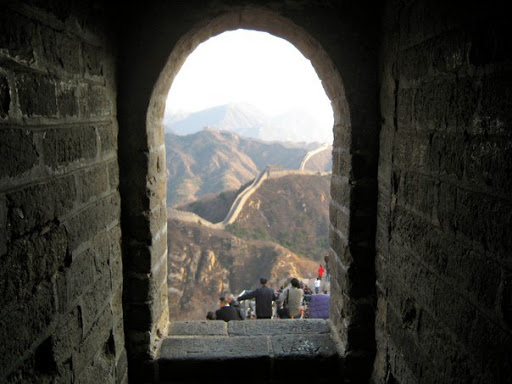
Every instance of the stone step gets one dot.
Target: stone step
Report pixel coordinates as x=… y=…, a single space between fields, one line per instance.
x=263 y=351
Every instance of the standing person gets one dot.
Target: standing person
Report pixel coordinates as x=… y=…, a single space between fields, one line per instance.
x=327 y=270
x=291 y=299
x=317 y=285
x=321 y=271
x=264 y=297
x=235 y=304
x=226 y=312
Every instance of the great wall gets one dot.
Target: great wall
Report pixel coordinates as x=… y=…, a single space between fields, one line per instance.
x=238 y=204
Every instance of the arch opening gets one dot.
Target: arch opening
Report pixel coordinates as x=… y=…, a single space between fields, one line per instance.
x=238 y=103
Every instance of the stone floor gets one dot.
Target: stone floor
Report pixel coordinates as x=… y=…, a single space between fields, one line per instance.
x=262 y=351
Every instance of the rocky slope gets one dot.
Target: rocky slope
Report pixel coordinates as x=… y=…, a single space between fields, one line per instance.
x=292 y=211
x=204 y=264
x=210 y=162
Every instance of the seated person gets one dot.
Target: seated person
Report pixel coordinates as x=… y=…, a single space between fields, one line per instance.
x=226 y=312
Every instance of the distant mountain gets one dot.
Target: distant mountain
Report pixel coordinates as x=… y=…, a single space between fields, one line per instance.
x=246 y=120
x=211 y=161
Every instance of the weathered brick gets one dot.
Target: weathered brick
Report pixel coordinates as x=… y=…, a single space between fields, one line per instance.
x=485 y=220
x=64 y=146
x=5 y=96
x=37 y=206
x=18 y=35
x=108 y=139
x=67 y=101
x=60 y=50
x=93 y=342
x=97 y=217
x=495 y=114
x=93 y=182
x=23 y=322
x=93 y=59
x=95 y=299
x=29 y=262
x=3 y=225
x=488 y=162
x=80 y=275
x=67 y=336
x=113 y=175
x=37 y=95
x=94 y=101
x=431 y=105
x=19 y=153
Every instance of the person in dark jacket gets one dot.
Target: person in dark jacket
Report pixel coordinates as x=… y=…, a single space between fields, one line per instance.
x=235 y=304
x=226 y=312
x=264 y=297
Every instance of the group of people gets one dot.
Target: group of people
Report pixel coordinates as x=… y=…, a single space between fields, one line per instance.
x=287 y=303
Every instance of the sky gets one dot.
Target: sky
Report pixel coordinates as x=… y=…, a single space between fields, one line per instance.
x=250 y=67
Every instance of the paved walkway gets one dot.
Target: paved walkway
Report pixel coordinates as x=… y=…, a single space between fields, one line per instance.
x=260 y=350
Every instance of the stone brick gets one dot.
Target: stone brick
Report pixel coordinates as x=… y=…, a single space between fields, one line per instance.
x=142 y=257
x=19 y=153
x=65 y=146
x=67 y=336
x=5 y=96
x=23 y=322
x=340 y=191
x=485 y=220
x=101 y=246
x=488 y=162
x=37 y=206
x=431 y=105
x=93 y=182
x=97 y=217
x=60 y=50
x=95 y=300
x=495 y=117
x=67 y=102
x=37 y=95
x=141 y=288
x=449 y=52
x=3 y=225
x=419 y=193
x=29 y=262
x=108 y=139
x=93 y=341
x=19 y=36
x=93 y=59
x=80 y=275
x=113 y=175
x=94 y=101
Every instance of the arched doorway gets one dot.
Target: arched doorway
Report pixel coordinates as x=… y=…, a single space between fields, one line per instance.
x=353 y=183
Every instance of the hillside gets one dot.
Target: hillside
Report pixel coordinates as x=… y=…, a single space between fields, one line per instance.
x=204 y=264
x=292 y=211
x=210 y=162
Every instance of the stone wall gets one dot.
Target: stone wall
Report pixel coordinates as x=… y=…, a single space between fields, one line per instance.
x=60 y=251
x=445 y=209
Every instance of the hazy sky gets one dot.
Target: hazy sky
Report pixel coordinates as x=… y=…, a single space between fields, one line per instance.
x=252 y=67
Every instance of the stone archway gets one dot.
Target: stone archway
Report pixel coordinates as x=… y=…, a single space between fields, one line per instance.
x=354 y=167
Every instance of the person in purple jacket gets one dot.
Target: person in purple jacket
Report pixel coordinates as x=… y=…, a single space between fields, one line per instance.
x=318 y=305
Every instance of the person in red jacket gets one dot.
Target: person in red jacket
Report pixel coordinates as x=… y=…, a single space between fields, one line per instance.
x=321 y=271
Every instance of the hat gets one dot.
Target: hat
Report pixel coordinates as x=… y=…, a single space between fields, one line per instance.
x=263 y=280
